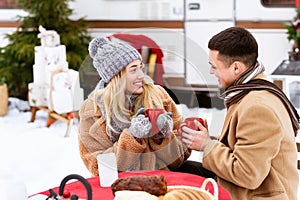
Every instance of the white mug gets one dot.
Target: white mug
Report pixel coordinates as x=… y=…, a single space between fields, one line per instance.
x=108 y=171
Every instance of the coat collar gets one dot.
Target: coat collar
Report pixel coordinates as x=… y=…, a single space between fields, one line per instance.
x=231 y=110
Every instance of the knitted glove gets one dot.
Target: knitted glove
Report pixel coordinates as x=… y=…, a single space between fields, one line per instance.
x=164 y=124
x=140 y=125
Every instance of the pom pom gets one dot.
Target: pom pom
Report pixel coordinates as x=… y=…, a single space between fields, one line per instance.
x=95 y=44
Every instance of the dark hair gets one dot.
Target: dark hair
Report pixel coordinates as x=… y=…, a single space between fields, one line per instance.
x=235 y=44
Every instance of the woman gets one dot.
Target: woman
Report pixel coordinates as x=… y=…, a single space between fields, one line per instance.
x=112 y=118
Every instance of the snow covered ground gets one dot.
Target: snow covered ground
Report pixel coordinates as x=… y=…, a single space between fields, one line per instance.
x=38 y=157
x=35 y=155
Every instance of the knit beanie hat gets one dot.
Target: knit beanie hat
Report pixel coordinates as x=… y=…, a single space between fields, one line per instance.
x=109 y=58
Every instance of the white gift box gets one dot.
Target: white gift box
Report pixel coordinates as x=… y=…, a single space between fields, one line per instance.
x=40 y=56
x=50 y=70
x=65 y=93
x=49 y=55
x=47 y=60
x=60 y=96
x=38 y=94
x=42 y=74
x=49 y=38
x=39 y=74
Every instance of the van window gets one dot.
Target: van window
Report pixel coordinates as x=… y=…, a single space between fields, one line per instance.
x=7 y=4
x=278 y=3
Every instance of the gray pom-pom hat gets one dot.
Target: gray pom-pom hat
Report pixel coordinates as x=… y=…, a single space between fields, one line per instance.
x=109 y=58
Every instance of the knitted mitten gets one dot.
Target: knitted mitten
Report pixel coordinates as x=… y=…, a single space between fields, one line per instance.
x=140 y=125
x=164 y=124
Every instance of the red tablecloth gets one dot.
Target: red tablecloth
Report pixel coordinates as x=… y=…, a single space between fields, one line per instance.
x=172 y=178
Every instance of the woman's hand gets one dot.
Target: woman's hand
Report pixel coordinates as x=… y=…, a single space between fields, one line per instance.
x=164 y=124
x=140 y=125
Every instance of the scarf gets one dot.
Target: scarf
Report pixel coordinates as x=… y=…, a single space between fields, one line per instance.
x=246 y=83
x=248 y=75
x=116 y=124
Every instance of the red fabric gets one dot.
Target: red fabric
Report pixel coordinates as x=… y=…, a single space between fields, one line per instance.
x=137 y=41
x=172 y=178
x=297 y=3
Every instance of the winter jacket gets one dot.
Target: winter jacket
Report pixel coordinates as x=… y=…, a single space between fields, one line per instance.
x=130 y=154
x=256 y=155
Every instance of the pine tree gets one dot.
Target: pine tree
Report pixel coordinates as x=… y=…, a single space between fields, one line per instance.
x=17 y=58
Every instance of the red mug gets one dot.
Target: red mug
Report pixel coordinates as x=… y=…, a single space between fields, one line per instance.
x=152 y=114
x=191 y=124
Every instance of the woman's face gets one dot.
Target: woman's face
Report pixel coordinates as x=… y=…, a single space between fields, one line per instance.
x=134 y=77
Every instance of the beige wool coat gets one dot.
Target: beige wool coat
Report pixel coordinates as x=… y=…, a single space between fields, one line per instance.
x=131 y=155
x=256 y=155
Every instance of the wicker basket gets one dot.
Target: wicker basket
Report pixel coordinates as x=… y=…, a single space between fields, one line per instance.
x=203 y=194
x=3 y=100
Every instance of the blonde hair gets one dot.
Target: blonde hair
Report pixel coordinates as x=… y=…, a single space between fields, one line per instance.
x=114 y=96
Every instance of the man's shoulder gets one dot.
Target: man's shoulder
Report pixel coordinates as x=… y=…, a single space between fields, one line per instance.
x=262 y=99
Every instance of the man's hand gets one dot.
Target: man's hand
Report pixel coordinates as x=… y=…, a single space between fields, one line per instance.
x=196 y=140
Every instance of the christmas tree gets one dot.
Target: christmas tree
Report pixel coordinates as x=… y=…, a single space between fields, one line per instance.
x=17 y=58
x=293 y=30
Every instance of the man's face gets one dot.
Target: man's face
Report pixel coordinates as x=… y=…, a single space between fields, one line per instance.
x=226 y=75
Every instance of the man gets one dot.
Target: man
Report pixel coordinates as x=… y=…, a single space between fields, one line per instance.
x=255 y=156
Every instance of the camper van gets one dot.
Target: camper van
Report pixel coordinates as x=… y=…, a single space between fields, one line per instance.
x=182 y=28
x=185 y=43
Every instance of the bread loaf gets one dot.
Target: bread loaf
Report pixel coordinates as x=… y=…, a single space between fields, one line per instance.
x=155 y=185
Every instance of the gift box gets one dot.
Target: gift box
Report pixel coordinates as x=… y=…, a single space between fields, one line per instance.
x=48 y=60
x=49 y=55
x=49 y=38
x=38 y=94
x=52 y=69
x=39 y=75
x=60 y=96
x=42 y=74
x=65 y=93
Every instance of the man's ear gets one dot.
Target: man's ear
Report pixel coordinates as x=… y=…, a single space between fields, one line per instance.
x=238 y=68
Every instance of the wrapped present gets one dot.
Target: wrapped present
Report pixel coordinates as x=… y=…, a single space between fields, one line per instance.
x=48 y=60
x=42 y=74
x=50 y=55
x=60 y=96
x=38 y=94
x=52 y=69
x=65 y=93
x=39 y=74
x=49 y=38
